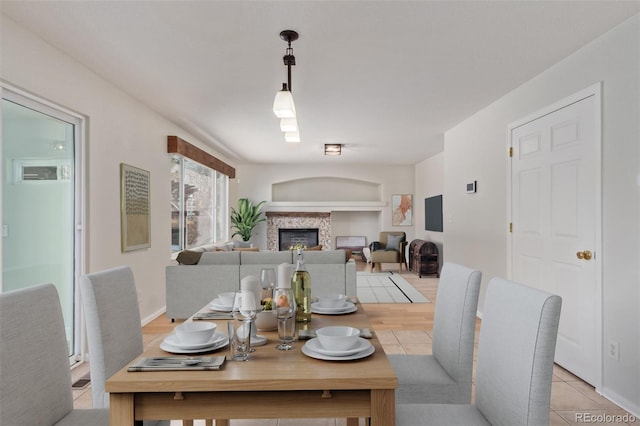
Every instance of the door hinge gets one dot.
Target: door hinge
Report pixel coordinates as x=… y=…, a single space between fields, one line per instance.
x=511 y=227
x=510 y=151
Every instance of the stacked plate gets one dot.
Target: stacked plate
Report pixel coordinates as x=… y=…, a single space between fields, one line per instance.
x=219 y=305
x=346 y=308
x=314 y=349
x=173 y=345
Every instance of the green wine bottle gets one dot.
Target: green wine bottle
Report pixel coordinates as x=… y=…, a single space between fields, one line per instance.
x=301 y=285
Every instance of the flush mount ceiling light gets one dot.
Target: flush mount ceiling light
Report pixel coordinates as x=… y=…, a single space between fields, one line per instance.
x=332 y=148
x=283 y=106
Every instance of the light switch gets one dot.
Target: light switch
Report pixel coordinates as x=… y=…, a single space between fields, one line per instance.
x=5 y=231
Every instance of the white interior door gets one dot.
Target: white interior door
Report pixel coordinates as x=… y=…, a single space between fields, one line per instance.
x=554 y=243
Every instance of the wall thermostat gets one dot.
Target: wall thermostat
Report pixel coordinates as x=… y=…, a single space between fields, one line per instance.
x=471 y=187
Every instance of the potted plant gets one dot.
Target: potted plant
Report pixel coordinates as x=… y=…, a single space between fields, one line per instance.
x=246 y=217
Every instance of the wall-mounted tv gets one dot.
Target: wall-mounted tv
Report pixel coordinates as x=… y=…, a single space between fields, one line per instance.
x=433 y=213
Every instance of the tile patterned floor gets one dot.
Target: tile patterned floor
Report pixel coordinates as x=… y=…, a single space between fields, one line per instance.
x=571 y=398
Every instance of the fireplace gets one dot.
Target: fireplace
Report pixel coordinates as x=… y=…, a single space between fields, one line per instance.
x=318 y=221
x=288 y=237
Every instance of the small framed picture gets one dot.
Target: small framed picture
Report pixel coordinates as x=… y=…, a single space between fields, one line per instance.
x=402 y=210
x=134 y=208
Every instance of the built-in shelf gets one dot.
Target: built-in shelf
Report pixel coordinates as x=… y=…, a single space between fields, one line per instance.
x=324 y=206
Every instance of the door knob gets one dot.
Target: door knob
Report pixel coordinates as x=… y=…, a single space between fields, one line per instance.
x=586 y=255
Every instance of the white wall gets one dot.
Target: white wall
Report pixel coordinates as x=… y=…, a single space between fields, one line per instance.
x=120 y=130
x=254 y=182
x=476 y=225
x=429 y=181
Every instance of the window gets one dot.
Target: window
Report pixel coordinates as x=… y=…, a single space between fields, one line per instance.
x=199 y=204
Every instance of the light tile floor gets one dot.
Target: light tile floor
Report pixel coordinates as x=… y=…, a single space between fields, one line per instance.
x=406 y=328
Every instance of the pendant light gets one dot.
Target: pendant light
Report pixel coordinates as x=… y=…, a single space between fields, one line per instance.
x=283 y=105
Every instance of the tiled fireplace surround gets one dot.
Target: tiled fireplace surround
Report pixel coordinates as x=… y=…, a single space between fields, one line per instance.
x=277 y=220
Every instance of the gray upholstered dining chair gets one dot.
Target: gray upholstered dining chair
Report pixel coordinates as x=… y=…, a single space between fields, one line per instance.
x=35 y=378
x=445 y=376
x=114 y=331
x=515 y=363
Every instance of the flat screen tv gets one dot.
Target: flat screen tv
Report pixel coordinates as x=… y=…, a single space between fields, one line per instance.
x=433 y=213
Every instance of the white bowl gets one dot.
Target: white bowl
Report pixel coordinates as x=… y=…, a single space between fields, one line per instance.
x=227 y=298
x=266 y=320
x=332 y=300
x=195 y=333
x=339 y=338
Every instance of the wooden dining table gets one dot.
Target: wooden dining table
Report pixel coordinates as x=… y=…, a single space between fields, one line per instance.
x=271 y=384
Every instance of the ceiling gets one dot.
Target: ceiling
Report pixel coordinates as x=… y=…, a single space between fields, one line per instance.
x=384 y=78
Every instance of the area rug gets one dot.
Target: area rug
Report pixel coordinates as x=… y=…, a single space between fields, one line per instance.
x=386 y=287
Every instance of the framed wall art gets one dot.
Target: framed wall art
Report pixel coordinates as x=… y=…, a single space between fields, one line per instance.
x=402 y=210
x=135 y=214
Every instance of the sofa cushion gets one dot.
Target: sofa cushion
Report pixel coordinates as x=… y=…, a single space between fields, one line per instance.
x=220 y=258
x=252 y=262
x=265 y=257
x=324 y=256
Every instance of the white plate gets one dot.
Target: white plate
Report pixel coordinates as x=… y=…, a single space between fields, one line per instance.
x=258 y=340
x=217 y=305
x=174 y=350
x=362 y=354
x=333 y=311
x=173 y=340
x=345 y=305
x=315 y=345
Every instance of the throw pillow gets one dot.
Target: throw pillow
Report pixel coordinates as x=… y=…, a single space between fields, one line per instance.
x=393 y=242
x=189 y=257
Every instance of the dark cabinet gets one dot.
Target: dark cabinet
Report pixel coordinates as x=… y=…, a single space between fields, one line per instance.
x=424 y=258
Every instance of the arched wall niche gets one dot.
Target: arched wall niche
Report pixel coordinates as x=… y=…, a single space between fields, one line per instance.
x=326 y=189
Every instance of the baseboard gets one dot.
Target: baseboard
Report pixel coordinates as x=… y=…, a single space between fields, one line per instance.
x=630 y=406
x=153 y=316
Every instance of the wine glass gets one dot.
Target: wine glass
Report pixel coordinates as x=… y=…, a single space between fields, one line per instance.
x=268 y=280
x=284 y=303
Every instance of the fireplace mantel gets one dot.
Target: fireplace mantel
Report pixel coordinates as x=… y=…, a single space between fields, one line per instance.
x=324 y=206
x=298 y=214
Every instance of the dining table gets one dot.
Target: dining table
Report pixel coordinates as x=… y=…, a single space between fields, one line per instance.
x=272 y=384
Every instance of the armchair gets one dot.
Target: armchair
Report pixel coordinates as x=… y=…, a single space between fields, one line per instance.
x=389 y=249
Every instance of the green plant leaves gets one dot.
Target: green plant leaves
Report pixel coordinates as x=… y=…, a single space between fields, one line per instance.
x=246 y=217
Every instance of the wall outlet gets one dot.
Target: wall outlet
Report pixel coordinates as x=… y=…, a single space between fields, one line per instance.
x=614 y=350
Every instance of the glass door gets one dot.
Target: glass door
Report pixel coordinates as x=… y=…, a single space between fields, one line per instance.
x=39 y=203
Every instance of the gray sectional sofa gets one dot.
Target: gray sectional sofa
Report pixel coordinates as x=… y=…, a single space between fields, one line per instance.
x=190 y=287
